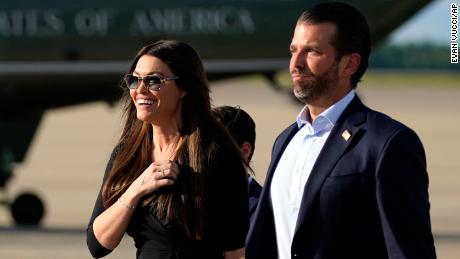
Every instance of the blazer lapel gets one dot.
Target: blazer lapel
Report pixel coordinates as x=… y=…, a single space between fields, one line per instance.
x=343 y=133
x=278 y=149
x=261 y=236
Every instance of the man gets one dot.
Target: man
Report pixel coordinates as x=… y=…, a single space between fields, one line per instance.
x=344 y=181
x=242 y=128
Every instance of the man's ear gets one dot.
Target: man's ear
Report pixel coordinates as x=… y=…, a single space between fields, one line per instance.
x=349 y=64
x=246 y=150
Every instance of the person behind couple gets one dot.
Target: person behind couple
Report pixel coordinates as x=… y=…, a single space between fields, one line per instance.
x=242 y=128
x=175 y=181
x=344 y=181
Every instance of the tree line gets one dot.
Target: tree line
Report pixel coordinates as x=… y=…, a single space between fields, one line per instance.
x=420 y=56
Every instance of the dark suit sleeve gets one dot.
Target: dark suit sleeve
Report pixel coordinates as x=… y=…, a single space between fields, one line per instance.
x=402 y=196
x=95 y=248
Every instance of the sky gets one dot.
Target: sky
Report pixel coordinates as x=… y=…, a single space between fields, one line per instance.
x=429 y=25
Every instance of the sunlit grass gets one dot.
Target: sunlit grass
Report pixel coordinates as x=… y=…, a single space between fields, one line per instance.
x=401 y=78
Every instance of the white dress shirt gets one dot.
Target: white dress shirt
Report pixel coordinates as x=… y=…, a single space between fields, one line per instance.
x=294 y=168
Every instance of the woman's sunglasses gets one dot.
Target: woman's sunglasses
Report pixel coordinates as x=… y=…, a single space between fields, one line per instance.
x=152 y=82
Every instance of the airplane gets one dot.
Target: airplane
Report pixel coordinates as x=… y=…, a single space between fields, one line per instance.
x=55 y=54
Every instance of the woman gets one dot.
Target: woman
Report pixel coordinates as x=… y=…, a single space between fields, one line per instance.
x=175 y=182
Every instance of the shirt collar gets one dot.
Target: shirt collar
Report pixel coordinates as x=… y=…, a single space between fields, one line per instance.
x=327 y=117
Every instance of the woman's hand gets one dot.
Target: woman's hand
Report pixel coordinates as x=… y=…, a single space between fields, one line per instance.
x=235 y=254
x=110 y=226
x=157 y=175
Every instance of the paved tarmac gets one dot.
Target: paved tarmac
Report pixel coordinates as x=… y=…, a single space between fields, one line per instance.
x=66 y=162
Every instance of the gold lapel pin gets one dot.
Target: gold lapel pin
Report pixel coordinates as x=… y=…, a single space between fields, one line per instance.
x=346 y=135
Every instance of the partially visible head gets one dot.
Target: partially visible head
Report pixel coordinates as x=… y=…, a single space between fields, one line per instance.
x=179 y=59
x=240 y=126
x=352 y=34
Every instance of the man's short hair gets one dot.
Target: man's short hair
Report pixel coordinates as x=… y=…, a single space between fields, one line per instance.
x=238 y=123
x=352 y=33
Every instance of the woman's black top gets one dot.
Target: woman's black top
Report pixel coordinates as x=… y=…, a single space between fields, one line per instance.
x=228 y=218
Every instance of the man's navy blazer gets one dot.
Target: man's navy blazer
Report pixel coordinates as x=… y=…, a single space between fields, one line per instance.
x=366 y=197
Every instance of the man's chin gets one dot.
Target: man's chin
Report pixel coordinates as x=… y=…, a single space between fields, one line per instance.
x=301 y=97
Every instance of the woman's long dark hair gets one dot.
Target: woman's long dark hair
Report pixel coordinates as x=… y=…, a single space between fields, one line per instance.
x=185 y=201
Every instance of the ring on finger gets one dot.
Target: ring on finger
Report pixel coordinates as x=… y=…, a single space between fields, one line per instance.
x=163 y=172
